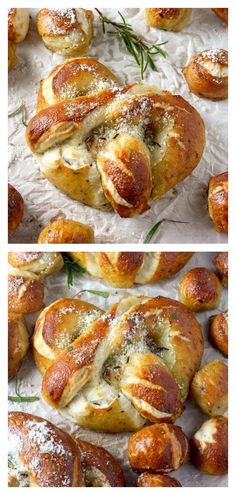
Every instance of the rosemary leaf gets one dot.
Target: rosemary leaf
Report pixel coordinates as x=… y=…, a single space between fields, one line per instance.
x=101 y=293
x=137 y=47
x=152 y=232
x=20 y=398
x=71 y=267
x=21 y=109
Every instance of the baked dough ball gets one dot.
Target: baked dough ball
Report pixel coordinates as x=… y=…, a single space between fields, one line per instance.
x=66 y=31
x=12 y=58
x=200 y=289
x=218 y=202
x=218 y=332
x=207 y=74
x=151 y=480
x=168 y=19
x=25 y=292
x=42 y=264
x=18 y=343
x=221 y=263
x=161 y=447
x=222 y=14
x=209 y=447
x=209 y=388
x=18 y=24
x=66 y=232
x=15 y=209
x=125 y=269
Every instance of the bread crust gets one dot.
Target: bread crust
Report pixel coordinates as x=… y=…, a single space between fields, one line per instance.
x=218 y=202
x=221 y=263
x=209 y=388
x=168 y=19
x=42 y=264
x=18 y=343
x=150 y=480
x=25 y=292
x=15 y=209
x=218 y=331
x=209 y=447
x=200 y=289
x=66 y=232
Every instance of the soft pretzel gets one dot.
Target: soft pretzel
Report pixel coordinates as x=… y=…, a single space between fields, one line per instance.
x=42 y=264
x=168 y=19
x=15 y=209
x=42 y=455
x=158 y=448
x=209 y=388
x=207 y=74
x=221 y=263
x=132 y=364
x=124 y=269
x=200 y=289
x=209 y=446
x=218 y=331
x=150 y=480
x=218 y=201
x=222 y=14
x=66 y=31
x=66 y=232
x=25 y=292
x=18 y=26
x=119 y=147
x=18 y=343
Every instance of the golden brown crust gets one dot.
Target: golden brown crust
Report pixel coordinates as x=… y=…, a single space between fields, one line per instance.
x=207 y=74
x=168 y=19
x=18 y=343
x=42 y=264
x=158 y=448
x=151 y=480
x=139 y=379
x=218 y=331
x=25 y=292
x=221 y=263
x=218 y=202
x=209 y=447
x=222 y=14
x=124 y=269
x=18 y=24
x=200 y=289
x=66 y=232
x=15 y=209
x=66 y=31
x=107 y=470
x=209 y=388
x=112 y=166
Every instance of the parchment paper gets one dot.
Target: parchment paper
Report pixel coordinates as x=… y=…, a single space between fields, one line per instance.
x=188 y=201
x=192 y=418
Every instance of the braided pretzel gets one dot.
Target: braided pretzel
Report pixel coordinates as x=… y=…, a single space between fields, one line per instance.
x=112 y=146
x=40 y=454
x=130 y=365
x=125 y=269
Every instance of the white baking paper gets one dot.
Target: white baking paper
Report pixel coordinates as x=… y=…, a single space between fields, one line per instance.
x=187 y=202
x=192 y=418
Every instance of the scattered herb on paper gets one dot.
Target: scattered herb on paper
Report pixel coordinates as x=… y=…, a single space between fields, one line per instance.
x=71 y=267
x=20 y=398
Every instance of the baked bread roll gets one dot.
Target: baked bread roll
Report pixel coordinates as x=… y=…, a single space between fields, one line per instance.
x=42 y=264
x=119 y=372
x=218 y=332
x=209 y=388
x=18 y=24
x=66 y=232
x=209 y=447
x=126 y=269
x=18 y=343
x=218 y=202
x=222 y=14
x=158 y=448
x=168 y=19
x=113 y=148
x=66 y=31
x=15 y=209
x=151 y=480
x=221 y=263
x=200 y=289
x=207 y=74
x=25 y=292
x=42 y=455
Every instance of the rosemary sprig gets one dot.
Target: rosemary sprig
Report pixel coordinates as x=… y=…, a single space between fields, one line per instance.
x=101 y=293
x=151 y=232
x=20 y=398
x=21 y=109
x=139 y=49
x=71 y=267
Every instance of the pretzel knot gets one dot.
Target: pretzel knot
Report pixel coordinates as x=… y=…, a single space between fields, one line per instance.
x=110 y=146
x=118 y=370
